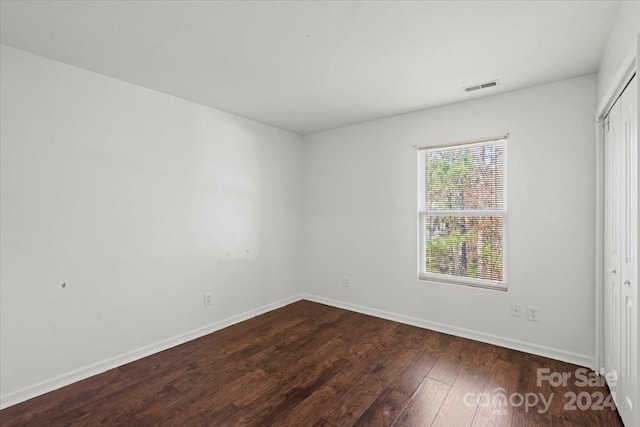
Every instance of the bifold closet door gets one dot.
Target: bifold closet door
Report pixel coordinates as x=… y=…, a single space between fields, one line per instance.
x=628 y=389
x=621 y=254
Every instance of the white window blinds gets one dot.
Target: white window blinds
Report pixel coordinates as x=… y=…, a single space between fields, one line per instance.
x=463 y=213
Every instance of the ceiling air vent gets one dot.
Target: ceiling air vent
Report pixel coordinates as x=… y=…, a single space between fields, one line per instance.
x=484 y=85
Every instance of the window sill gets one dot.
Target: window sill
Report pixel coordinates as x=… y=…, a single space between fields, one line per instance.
x=461 y=281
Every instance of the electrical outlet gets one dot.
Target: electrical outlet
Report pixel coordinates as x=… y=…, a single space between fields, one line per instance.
x=207 y=299
x=346 y=281
x=516 y=310
x=533 y=313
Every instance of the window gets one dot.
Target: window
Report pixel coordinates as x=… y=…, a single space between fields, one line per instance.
x=463 y=213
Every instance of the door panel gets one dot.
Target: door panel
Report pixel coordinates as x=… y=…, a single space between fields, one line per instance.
x=612 y=217
x=629 y=260
x=621 y=255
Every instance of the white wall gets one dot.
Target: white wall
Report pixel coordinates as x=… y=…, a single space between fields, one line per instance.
x=141 y=203
x=623 y=33
x=360 y=218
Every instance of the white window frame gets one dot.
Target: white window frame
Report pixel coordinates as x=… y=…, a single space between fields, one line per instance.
x=423 y=212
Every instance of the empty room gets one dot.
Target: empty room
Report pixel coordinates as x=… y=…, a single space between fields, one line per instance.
x=319 y=213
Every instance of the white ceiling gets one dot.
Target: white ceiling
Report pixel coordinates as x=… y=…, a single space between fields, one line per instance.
x=312 y=66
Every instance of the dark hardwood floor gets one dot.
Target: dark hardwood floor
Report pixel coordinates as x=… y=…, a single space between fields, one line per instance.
x=308 y=364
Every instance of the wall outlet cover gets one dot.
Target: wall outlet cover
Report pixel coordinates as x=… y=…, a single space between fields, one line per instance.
x=516 y=310
x=533 y=313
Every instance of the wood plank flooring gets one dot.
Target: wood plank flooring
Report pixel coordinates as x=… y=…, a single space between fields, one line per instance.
x=308 y=364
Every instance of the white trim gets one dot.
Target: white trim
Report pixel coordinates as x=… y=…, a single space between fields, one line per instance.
x=422 y=207
x=453 y=145
x=527 y=347
x=463 y=281
x=505 y=208
x=113 y=362
x=619 y=81
x=424 y=212
x=465 y=212
x=599 y=249
x=616 y=86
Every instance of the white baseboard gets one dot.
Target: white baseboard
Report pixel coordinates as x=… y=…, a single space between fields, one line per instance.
x=113 y=362
x=553 y=353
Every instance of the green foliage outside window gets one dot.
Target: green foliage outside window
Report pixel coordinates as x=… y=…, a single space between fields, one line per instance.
x=464 y=179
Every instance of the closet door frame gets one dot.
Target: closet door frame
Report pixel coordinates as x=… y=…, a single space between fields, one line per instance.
x=627 y=69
